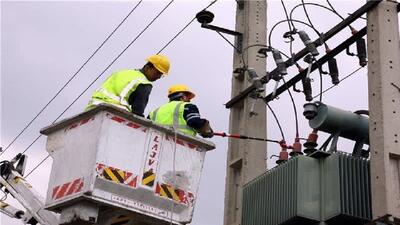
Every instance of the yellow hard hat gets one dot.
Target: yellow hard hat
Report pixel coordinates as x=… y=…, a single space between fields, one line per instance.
x=160 y=62
x=177 y=88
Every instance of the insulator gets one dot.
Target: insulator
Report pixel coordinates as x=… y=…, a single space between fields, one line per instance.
x=361 y=52
x=296 y=148
x=311 y=143
x=308 y=43
x=279 y=62
x=306 y=81
x=333 y=71
x=283 y=156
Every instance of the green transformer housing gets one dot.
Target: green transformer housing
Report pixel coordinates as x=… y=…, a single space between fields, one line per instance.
x=334 y=190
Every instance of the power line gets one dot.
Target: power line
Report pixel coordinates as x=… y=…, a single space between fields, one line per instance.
x=277 y=121
x=344 y=78
x=37 y=166
x=72 y=77
x=294 y=109
x=306 y=13
x=315 y=4
x=119 y=55
x=169 y=42
x=334 y=10
x=184 y=28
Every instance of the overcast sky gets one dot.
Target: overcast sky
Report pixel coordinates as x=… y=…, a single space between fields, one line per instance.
x=44 y=43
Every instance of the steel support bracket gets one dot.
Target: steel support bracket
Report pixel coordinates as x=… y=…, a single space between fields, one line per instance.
x=238 y=35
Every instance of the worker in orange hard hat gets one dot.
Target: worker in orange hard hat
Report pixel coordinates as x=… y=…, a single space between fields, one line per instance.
x=181 y=114
x=130 y=89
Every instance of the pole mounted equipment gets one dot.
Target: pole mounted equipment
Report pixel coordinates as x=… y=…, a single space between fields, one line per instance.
x=206 y=17
x=329 y=34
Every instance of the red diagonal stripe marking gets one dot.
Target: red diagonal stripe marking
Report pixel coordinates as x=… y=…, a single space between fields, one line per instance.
x=62 y=191
x=72 y=126
x=118 y=119
x=74 y=186
x=180 y=142
x=133 y=125
x=133 y=182
x=80 y=186
x=192 y=146
x=127 y=174
x=85 y=121
x=158 y=188
x=55 y=191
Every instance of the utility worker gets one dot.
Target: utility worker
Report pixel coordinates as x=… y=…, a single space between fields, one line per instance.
x=130 y=89
x=181 y=114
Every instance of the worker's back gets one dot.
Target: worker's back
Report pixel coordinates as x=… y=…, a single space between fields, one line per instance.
x=171 y=114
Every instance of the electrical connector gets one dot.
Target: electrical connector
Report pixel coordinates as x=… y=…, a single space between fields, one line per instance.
x=308 y=43
x=333 y=71
x=361 y=52
x=280 y=64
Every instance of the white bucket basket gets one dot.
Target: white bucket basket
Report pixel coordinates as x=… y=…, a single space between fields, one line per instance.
x=116 y=160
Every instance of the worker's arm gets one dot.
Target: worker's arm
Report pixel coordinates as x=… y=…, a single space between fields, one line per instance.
x=139 y=98
x=192 y=117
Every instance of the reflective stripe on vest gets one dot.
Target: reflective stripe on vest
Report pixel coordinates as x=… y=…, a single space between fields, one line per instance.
x=117 y=88
x=171 y=114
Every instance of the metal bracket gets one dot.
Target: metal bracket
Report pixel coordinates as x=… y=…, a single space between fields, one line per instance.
x=238 y=35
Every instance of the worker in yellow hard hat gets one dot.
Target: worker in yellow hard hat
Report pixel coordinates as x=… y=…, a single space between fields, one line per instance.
x=181 y=114
x=130 y=89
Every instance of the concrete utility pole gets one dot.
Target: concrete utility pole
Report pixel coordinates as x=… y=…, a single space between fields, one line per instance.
x=246 y=158
x=384 y=107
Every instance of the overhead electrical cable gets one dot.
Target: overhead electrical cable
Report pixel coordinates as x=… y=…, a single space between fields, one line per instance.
x=306 y=13
x=290 y=29
x=291 y=57
x=321 y=6
x=286 y=14
x=314 y=4
x=184 y=28
x=277 y=121
x=169 y=42
x=334 y=10
x=320 y=85
x=72 y=77
x=37 y=166
x=292 y=20
x=344 y=78
x=294 y=109
x=290 y=94
x=115 y=59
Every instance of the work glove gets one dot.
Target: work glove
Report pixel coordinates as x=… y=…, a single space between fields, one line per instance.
x=205 y=131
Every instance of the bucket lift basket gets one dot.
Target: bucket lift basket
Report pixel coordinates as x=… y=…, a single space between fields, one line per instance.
x=108 y=159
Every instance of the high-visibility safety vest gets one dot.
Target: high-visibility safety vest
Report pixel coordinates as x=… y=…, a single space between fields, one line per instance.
x=171 y=114
x=117 y=88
